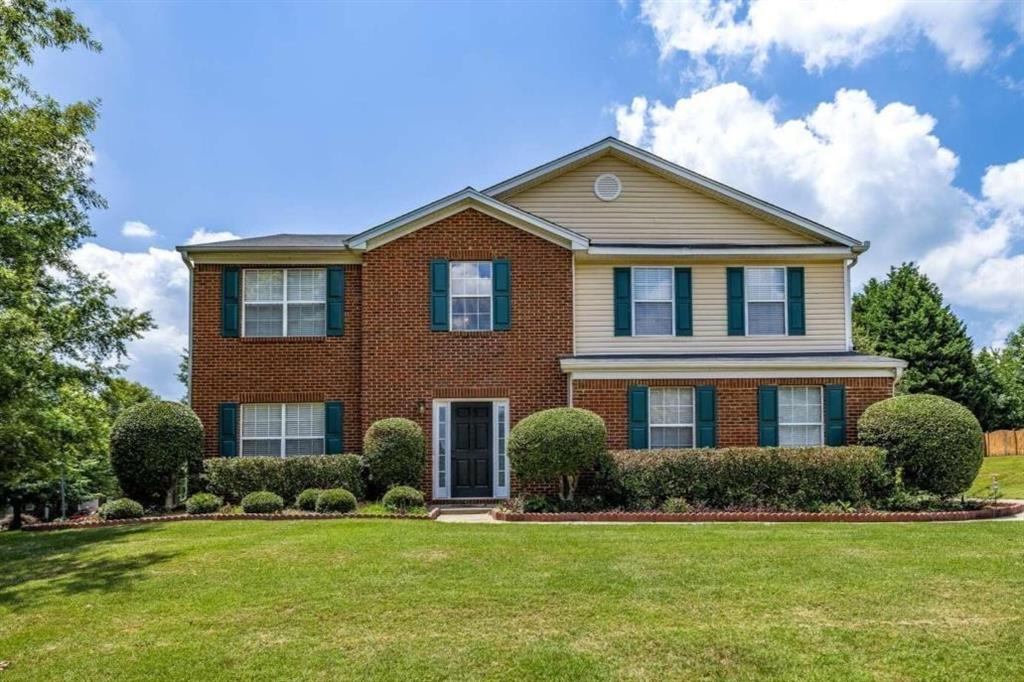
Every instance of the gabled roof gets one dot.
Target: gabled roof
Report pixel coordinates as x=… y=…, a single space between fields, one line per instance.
x=689 y=178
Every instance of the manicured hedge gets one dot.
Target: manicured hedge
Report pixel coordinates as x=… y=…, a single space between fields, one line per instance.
x=262 y=502
x=235 y=477
x=203 y=503
x=401 y=498
x=336 y=501
x=122 y=508
x=556 y=445
x=306 y=501
x=744 y=478
x=395 y=453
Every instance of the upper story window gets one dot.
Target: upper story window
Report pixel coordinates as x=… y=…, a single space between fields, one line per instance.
x=653 y=302
x=671 y=417
x=285 y=302
x=282 y=429
x=800 y=416
x=471 y=295
x=766 y=301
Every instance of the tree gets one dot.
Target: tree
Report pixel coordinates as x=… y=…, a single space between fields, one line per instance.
x=59 y=330
x=184 y=369
x=1002 y=371
x=119 y=393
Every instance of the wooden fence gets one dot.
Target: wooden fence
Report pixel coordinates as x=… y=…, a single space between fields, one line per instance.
x=998 y=443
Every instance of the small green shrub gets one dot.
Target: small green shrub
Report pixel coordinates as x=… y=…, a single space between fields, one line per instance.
x=262 y=502
x=336 y=501
x=122 y=508
x=395 y=453
x=401 y=498
x=936 y=442
x=235 y=477
x=306 y=501
x=203 y=503
x=557 y=445
x=676 y=505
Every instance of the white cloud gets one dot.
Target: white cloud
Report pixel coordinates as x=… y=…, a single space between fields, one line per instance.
x=133 y=228
x=204 y=236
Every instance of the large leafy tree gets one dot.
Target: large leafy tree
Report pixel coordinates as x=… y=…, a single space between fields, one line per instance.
x=59 y=330
x=1002 y=372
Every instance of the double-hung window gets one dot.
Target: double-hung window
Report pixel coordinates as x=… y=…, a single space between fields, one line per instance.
x=471 y=296
x=800 y=416
x=653 y=302
x=671 y=417
x=282 y=429
x=766 y=301
x=286 y=302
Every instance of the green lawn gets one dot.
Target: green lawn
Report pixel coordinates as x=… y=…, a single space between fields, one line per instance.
x=422 y=600
x=1009 y=470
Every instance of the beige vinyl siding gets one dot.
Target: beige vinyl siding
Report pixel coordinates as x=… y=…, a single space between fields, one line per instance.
x=825 y=313
x=650 y=210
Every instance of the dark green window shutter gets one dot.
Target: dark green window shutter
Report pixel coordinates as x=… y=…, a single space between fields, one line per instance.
x=229 y=302
x=684 y=302
x=334 y=416
x=501 y=295
x=336 y=301
x=227 y=430
x=439 y=295
x=638 y=417
x=707 y=417
x=623 y=286
x=835 y=414
x=734 y=301
x=768 y=416
x=795 y=300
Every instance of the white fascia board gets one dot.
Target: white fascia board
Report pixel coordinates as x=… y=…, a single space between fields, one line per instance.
x=728 y=368
x=755 y=252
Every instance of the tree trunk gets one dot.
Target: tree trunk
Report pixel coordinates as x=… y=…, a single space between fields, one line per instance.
x=16 y=514
x=568 y=488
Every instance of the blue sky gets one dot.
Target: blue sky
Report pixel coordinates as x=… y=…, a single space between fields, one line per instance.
x=317 y=117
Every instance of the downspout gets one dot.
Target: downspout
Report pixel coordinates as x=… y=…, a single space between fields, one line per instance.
x=191 y=289
x=847 y=302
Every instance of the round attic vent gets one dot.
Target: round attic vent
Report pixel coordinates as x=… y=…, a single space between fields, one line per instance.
x=607 y=187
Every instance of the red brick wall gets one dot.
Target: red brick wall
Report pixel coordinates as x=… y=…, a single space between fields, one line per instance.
x=737 y=403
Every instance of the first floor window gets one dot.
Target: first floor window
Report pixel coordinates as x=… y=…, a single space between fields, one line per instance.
x=282 y=429
x=287 y=302
x=766 y=301
x=471 y=296
x=652 y=301
x=671 y=417
x=800 y=416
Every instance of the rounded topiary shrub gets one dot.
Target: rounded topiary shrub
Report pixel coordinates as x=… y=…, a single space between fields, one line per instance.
x=402 y=498
x=121 y=509
x=150 y=445
x=306 y=501
x=394 y=451
x=936 y=442
x=556 y=445
x=336 y=501
x=262 y=502
x=203 y=503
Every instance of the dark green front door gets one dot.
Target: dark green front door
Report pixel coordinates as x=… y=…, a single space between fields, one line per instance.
x=471 y=450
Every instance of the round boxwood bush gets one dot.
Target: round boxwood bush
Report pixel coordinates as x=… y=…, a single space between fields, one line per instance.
x=203 y=503
x=556 y=445
x=262 y=502
x=336 y=501
x=306 y=501
x=401 y=498
x=394 y=451
x=936 y=442
x=122 y=508
x=150 y=445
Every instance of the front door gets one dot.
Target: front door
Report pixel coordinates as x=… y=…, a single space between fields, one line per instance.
x=471 y=451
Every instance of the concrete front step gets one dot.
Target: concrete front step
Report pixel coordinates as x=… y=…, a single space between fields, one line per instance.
x=459 y=509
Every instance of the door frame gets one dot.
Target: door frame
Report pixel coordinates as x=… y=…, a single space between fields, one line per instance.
x=441 y=441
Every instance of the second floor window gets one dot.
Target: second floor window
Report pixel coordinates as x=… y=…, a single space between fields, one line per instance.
x=286 y=302
x=652 y=302
x=471 y=296
x=766 y=301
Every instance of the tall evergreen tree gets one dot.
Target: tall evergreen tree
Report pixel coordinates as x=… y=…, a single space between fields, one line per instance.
x=1002 y=371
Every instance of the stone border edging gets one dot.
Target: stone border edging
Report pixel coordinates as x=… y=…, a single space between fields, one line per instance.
x=992 y=512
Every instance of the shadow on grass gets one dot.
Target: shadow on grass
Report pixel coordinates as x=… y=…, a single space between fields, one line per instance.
x=37 y=566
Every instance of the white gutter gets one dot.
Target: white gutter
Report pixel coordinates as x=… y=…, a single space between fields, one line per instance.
x=723 y=251
x=191 y=291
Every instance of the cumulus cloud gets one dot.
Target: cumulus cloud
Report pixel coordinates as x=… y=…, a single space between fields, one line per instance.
x=133 y=228
x=204 y=236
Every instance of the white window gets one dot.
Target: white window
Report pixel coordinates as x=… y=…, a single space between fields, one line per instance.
x=290 y=302
x=766 y=301
x=282 y=429
x=471 y=296
x=671 y=417
x=800 y=416
x=653 y=308
x=442 y=446
x=502 y=419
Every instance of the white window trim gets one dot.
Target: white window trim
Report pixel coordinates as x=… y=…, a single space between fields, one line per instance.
x=693 y=425
x=785 y=300
x=452 y=296
x=634 y=300
x=284 y=303
x=499 y=409
x=820 y=424
x=284 y=438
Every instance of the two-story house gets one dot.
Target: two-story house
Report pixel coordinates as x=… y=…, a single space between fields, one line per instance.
x=684 y=312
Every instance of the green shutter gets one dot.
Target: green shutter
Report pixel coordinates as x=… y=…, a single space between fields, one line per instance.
x=623 y=302
x=768 y=416
x=835 y=414
x=638 y=417
x=229 y=303
x=795 y=300
x=227 y=430
x=707 y=417
x=336 y=301
x=334 y=413
x=501 y=295
x=734 y=301
x=439 y=295
x=684 y=302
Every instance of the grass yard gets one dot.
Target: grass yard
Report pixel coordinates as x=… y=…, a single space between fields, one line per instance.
x=1010 y=471
x=420 y=600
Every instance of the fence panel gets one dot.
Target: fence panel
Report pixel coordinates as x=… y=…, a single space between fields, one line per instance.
x=1000 y=443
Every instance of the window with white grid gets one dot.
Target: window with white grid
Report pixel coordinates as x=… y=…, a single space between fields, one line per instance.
x=653 y=313
x=670 y=417
x=765 y=291
x=282 y=429
x=471 y=295
x=800 y=416
x=289 y=302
